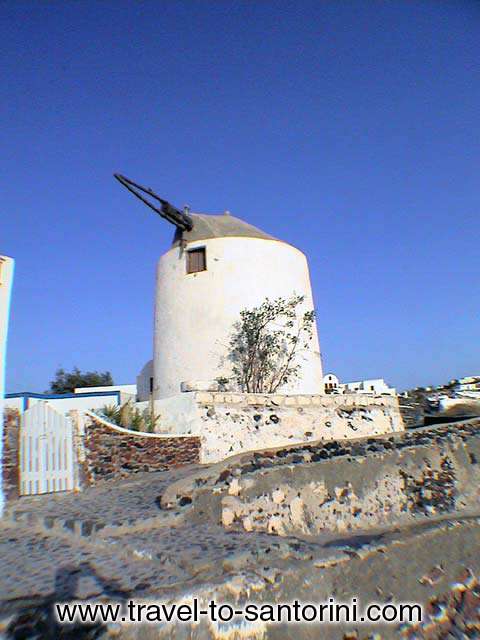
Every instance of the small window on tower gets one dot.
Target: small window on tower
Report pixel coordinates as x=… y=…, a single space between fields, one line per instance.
x=196 y=260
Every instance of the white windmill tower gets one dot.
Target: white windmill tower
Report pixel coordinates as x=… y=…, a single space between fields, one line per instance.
x=217 y=266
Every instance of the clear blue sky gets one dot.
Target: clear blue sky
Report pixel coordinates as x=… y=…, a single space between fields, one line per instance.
x=350 y=129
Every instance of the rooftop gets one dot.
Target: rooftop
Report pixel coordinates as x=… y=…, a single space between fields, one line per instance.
x=206 y=226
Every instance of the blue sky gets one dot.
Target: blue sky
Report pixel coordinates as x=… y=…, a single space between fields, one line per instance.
x=350 y=129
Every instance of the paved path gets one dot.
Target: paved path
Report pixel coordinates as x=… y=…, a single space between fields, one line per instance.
x=114 y=540
x=114 y=503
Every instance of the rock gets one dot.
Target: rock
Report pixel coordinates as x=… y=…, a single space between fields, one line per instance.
x=247 y=524
x=433 y=576
x=228 y=516
x=278 y=496
x=275 y=526
x=234 y=487
x=296 y=511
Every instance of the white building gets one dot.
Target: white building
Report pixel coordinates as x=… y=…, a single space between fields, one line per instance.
x=210 y=274
x=375 y=386
x=64 y=402
x=469 y=383
x=91 y=398
x=331 y=383
x=145 y=382
x=6 y=280
x=127 y=391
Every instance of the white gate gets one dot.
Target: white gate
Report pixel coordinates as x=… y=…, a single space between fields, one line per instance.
x=46 y=451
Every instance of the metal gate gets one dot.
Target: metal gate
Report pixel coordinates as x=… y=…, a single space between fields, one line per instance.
x=46 y=451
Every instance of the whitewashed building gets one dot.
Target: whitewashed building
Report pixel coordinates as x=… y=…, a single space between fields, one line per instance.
x=127 y=391
x=65 y=402
x=217 y=267
x=6 y=279
x=145 y=382
x=331 y=383
x=468 y=383
x=210 y=274
x=376 y=386
x=90 y=398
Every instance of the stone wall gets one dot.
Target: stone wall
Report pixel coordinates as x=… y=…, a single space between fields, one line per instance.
x=233 y=422
x=105 y=451
x=11 y=450
x=341 y=487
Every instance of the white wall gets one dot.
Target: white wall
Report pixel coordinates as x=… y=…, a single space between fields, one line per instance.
x=6 y=280
x=66 y=404
x=143 y=382
x=130 y=389
x=178 y=414
x=195 y=313
x=230 y=423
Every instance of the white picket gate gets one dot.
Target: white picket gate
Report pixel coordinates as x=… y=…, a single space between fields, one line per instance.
x=46 y=451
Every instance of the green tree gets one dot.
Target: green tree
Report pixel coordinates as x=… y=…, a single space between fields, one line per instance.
x=66 y=382
x=266 y=344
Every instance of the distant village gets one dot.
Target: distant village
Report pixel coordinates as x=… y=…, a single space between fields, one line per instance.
x=460 y=397
x=468 y=386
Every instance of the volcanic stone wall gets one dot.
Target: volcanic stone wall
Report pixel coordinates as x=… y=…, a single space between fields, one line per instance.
x=10 y=457
x=105 y=451
x=341 y=486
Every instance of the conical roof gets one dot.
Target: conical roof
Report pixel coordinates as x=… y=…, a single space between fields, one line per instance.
x=207 y=226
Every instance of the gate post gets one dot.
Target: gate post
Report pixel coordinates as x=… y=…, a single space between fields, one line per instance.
x=79 y=462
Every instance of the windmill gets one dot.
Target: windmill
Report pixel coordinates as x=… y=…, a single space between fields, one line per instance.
x=217 y=266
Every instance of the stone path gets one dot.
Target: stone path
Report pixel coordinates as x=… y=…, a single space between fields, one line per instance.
x=165 y=564
x=117 y=533
x=110 y=504
x=116 y=541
